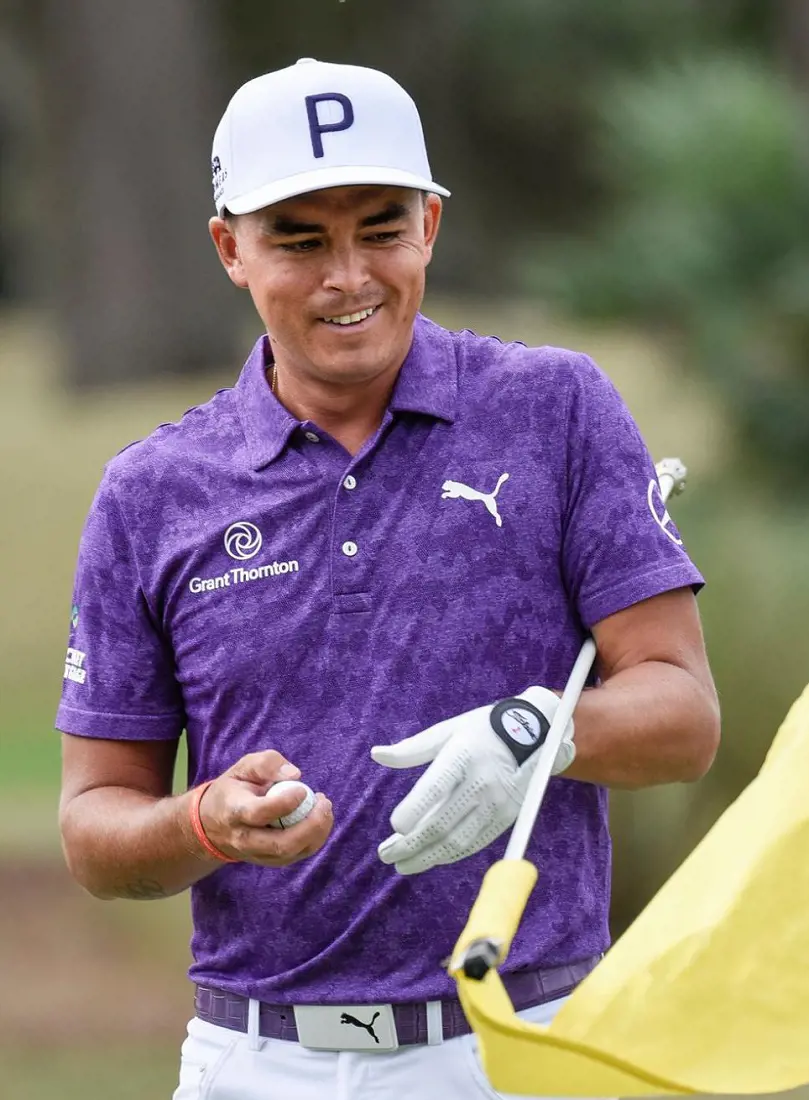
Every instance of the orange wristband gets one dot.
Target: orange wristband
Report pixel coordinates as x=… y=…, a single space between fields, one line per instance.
x=199 y=831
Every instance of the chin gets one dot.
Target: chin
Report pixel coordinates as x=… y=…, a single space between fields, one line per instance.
x=357 y=354
x=352 y=374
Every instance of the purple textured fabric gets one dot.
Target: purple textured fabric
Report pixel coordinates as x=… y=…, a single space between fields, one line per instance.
x=525 y=989
x=218 y=591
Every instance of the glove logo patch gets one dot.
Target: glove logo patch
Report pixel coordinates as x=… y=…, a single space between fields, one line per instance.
x=521 y=726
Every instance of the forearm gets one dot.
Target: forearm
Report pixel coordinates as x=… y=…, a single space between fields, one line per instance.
x=650 y=724
x=123 y=843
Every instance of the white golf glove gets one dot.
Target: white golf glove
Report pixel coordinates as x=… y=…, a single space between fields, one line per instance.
x=482 y=762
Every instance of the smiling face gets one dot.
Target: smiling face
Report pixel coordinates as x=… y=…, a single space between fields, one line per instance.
x=337 y=276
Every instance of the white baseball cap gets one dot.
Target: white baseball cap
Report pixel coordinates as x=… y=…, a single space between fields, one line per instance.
x=315 y=125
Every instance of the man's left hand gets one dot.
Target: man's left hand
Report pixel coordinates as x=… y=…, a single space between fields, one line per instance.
x=482 y=762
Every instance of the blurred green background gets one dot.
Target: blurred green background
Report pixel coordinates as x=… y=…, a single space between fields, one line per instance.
x=629 y=178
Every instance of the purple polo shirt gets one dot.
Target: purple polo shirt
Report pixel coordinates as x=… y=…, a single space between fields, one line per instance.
x=242 y=577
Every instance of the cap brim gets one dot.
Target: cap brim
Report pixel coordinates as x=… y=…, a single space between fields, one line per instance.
x=322 y=178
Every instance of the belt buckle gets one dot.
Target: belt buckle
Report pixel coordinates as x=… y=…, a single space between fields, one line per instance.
x=347 y=1027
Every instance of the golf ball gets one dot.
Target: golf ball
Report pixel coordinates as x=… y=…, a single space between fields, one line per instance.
x=300 y=812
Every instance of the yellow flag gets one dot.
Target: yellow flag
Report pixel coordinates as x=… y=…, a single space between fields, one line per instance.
x=708 y=990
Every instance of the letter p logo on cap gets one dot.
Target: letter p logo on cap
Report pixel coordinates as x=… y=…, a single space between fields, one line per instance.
x=285 y=133
x=318 y=128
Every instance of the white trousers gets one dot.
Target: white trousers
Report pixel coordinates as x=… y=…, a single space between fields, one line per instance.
x=219 y=1064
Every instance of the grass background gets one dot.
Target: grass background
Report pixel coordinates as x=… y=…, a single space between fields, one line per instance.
x=99 y=998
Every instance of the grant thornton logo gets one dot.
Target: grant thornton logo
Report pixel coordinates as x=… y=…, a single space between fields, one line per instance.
x=242 y=541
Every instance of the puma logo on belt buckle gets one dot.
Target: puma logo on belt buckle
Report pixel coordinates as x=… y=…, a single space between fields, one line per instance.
x=346 y=1027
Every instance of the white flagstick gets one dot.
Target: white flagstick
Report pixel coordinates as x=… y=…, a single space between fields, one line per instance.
x=671 y=474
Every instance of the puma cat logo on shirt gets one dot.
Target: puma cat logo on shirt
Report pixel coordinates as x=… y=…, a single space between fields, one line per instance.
x=453 y=490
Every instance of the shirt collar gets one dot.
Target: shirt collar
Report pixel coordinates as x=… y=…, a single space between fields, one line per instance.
x=427 y=384
x=267 y=424
x=428 y=380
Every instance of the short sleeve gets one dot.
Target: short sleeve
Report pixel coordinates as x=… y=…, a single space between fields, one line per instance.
x=119 y=680
x=620 y=544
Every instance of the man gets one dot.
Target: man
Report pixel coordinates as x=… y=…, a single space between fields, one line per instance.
x=381 y=527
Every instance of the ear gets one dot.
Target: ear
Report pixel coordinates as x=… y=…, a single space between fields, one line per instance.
x=223 y=235
x=433 y=208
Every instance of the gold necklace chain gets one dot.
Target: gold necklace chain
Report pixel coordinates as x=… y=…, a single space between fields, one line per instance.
x=274 y=378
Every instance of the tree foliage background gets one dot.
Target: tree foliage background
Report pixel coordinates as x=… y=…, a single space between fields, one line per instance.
x=620 y=160
x=625 y=160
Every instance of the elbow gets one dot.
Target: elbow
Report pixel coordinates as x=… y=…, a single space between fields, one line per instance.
x=78 y=858
x=81 y=871
x=704 y=743
x=96 y=891
x=81 y=874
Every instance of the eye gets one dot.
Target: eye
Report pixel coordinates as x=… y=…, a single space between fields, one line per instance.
x=300 y=246
x=385 y=237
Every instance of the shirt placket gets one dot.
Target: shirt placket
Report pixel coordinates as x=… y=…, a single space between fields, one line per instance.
x=350 y=541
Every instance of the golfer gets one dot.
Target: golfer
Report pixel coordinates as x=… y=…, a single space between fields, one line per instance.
x=383 y=531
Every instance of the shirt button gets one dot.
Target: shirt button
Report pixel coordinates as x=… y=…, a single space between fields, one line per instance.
x=350 y=482
x=349 y=549
x=312 y=437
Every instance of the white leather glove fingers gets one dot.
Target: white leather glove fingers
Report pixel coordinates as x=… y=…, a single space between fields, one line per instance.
x=432 y=790
x=445 y=797
x=421 y=748
x=441 y=784
x=473 y=833
x=482 y=762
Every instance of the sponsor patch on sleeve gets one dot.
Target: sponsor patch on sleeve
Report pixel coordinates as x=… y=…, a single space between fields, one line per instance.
x=74 y=666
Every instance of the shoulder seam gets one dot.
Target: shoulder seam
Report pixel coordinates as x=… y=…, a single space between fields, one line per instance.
x=568 y=408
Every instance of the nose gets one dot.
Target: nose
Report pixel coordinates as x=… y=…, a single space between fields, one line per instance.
x=346 y=270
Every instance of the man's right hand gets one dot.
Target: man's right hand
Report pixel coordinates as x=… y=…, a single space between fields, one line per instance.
x=125 y=835
x=236 y=811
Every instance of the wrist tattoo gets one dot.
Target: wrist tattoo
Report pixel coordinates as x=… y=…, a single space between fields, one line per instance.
x=144 y=889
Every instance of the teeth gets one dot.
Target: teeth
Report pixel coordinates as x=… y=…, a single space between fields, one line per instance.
x=351 y=318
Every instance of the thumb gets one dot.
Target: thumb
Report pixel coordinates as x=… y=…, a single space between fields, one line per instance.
x=263 y=768
x=418 y=749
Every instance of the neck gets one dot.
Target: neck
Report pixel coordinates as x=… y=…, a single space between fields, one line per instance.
x=349 y=413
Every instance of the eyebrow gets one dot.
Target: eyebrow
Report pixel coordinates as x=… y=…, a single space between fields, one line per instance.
x=288 y=227
x=393 y=212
